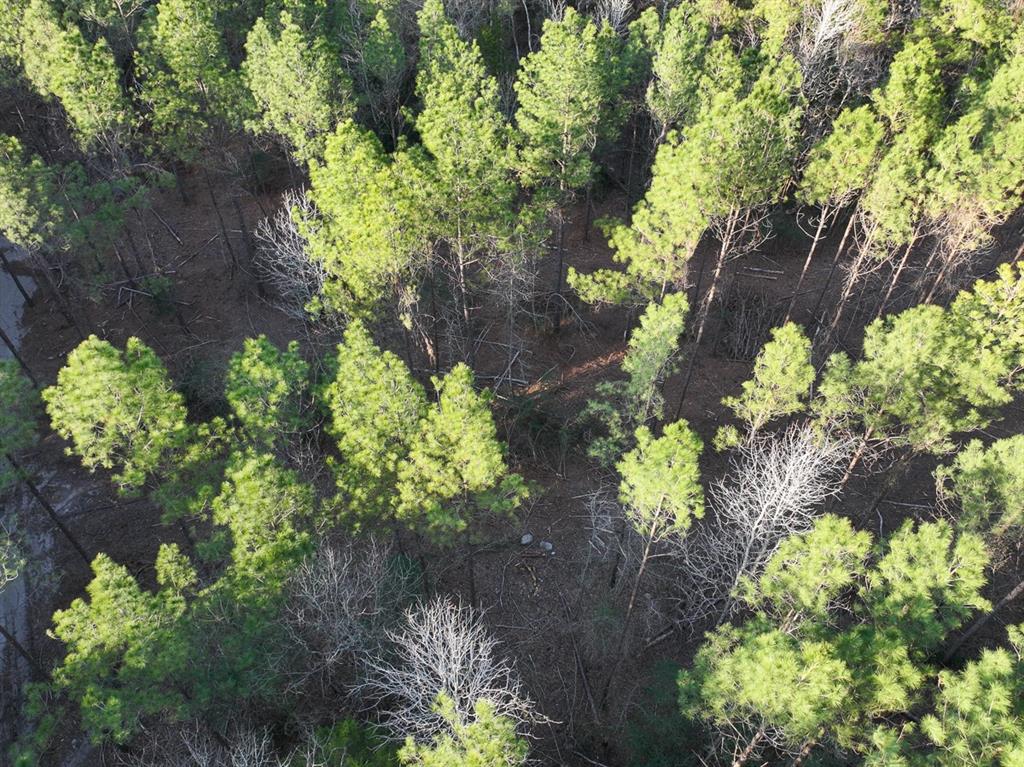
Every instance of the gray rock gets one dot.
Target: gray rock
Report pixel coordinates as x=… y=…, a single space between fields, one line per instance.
x=527 y=539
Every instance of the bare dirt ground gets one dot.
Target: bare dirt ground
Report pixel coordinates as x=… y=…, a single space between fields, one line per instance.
x=554 y=612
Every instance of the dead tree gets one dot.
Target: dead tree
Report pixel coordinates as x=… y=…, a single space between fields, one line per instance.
x=775 y=487
x=442 y=648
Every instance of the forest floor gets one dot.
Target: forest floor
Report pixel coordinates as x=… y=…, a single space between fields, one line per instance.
x=555 y=612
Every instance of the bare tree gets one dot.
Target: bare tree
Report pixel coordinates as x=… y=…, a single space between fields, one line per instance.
x=775 y=487
x=511 y=285
x=335 y=615
x=839 y=57
x=553 y=9
x=282 y=259
x=194 y=744
x=443 y=647
x=963 y=231
x=615 y=12
x=469 y=16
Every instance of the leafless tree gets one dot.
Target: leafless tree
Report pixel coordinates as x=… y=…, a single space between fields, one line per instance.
x=443 y=648
x=837 y=56
x=282 y=258
x=775 y=487
x=553 y=9
x=193 y=744
x=335 y=615
x=469 y=16
x=962 y=232
x=511 y=277
x=615 y=12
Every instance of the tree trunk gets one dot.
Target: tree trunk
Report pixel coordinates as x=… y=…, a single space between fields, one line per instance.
x=745 y=754
x=62 y=306
x=18 y=358
x=895 y=276
x=220 y=220
x=124 y=267
x=629 y=173
x=832 y=269
x=888 y=480
x=558 y=275
x=807 y=264
x=149 y=239
x=724 y=313
x=48 y=508
x=136 y=253
x=436 y=326
x=14 y=277
x=693 y=353
x=980 y=623
x=620 y=647
x=180 y=186
x=805 y=751
x=855 y=460
x=705 y=306
x=851 y=282
x=37 y=670
x=471 y=566
x=939 y=278
x=242 y=225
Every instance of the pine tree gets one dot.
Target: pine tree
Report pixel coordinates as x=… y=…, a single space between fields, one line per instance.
x=372 y=229
x=780 y=386
x=838 y=168
x=622 y=406
x=987 y=484
x=125 y=653
x=17 y=418
x=489 y=740
x=918 y=383
x=793 y=676
x=84 y=77
x=975 y=181
x=677 y=69
x=661 y=496
x=118 y=409
x=301 y=94
x=19 y=414
x=262 y=506
x=375 y=407
x=12 y=564
x=455 y=462
x=188 y=80
x=650 y=355
x=734 y=159
x=563 y=91
x=371 y=32
x=462 y=128
x=192 y=648
x=30 y=213
x=660 y=487
x=976 y=716
x=264 y=388
x=891 y=207
x=11 y=14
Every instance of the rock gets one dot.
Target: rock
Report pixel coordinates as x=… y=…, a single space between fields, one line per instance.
x=548 y=546
x=527 y=539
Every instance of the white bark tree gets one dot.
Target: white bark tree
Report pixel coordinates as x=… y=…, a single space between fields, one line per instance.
x=336 y=614
x=443 y=648
x=282 y=260
x=775 y=487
